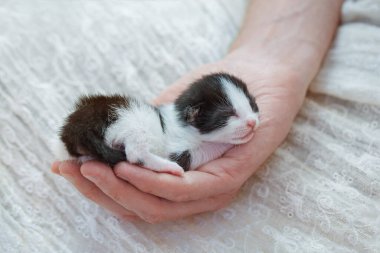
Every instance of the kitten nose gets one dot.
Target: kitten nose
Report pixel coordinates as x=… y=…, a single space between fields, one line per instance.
x=251 y=123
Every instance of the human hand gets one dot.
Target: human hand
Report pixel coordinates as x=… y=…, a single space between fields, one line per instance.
x=277 y=53
x=156 y=197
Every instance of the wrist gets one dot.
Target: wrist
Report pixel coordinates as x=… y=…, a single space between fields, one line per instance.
x=293 y=34
x=301 y=62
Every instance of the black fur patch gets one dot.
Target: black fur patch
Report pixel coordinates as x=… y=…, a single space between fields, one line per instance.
x=205 y=105
x=139 y=163
x=83 y=131
x=182 y=159
x=162 y=122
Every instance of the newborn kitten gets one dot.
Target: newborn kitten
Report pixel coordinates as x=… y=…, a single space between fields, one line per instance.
x=213 y=114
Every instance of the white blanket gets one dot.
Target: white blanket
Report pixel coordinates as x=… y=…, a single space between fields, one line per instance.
x=319 y=192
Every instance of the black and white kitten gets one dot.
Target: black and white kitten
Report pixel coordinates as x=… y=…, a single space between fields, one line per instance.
x=213 y=114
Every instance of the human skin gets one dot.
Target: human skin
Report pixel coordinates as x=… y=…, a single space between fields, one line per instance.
x=278 y=52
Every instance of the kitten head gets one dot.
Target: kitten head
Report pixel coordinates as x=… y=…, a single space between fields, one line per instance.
x=221 y=108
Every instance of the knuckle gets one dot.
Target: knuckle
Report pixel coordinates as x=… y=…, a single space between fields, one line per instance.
x=116 y=195
x=91 y=175
x=181 y=197
x=146 y=188
x=128 y=217
x=152 y=217
x=233 y=191
x=89 y=193
x=224 y=201
x=182 y=194
x=222 y=204
x=117 y=172
x=66 y=173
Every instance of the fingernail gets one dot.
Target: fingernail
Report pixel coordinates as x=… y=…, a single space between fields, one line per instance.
x=91 y=178
x=123 y=166
x=122 y=170
x=62 y=173
x=68 y=177
x=55 y=171
x=55 y=167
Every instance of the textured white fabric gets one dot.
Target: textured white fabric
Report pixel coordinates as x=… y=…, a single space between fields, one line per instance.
x=352 y=70
x=320 y=191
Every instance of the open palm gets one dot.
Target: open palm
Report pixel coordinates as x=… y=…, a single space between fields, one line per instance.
x=135 y=193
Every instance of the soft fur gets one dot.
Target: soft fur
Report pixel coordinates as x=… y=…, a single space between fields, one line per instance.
x=213 y=114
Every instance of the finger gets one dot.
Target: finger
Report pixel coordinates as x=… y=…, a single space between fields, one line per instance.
x=148 y=207
x=55 y=167
x=179 y=210
x=119 y=190
x=71 y=171
x=222 y=175
x=169 y=211
x=192 y=185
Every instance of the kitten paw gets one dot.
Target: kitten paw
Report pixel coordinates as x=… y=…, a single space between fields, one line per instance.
x=85 y=158
x=172 y=168
x=160 y=164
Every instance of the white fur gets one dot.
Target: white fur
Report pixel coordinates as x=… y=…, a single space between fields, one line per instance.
x=178 y=137
x=206 y=147
x=138 y=129
x=59 y=150
x=137 y=125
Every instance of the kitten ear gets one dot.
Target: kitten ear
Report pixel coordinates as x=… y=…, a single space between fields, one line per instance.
x=191 y=113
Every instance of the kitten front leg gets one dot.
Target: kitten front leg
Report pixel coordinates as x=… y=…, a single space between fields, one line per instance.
x=153 y=162
x=160 y=164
